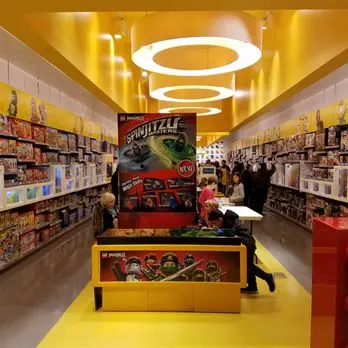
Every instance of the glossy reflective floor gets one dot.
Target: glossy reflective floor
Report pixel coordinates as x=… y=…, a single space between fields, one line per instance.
x=36 y=293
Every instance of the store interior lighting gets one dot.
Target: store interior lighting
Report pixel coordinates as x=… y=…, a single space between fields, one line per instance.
x=248 y=54
x=201 y=111
x=222 y=93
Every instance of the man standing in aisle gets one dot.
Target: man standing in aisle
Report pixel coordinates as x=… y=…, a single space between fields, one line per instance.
x=225 y=175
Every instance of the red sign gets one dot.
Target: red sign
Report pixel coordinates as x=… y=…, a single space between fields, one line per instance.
x=186 y=168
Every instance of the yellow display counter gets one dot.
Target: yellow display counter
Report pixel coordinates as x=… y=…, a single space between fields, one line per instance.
x=168 y=277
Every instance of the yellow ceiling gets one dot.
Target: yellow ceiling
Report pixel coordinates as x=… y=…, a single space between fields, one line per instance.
x=160 y=5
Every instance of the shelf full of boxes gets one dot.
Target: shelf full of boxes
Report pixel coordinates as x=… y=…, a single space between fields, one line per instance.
x=49 y=183
x=311 y=176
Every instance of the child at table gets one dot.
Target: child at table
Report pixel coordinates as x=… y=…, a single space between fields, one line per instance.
x=108 y=211
x=233 y=227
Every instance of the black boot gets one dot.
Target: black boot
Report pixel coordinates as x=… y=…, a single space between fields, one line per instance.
x=271 y=283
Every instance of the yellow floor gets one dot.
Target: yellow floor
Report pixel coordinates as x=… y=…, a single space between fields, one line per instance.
x=280 y=320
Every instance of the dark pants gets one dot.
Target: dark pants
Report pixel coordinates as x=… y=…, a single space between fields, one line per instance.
x=259 y=199
x=247 y=199
x=254 y=271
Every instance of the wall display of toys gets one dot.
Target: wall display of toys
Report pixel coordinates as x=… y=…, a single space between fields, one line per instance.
x=215 y=152
x=314 y=164
x=26 y=229
x=45 y=180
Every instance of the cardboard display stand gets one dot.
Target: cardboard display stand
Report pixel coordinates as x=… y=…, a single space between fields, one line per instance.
x=150 y=263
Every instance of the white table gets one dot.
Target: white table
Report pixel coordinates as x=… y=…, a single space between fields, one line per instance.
x=244 y=213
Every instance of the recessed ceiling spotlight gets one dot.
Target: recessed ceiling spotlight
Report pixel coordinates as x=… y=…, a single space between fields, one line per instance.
x=117 y=36
x=264 y=23
x=106 y=37
x=144 y=74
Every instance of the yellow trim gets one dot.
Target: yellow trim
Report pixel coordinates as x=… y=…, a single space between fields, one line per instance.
x=56 y=117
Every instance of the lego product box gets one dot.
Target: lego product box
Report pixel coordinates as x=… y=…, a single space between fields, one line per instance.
x=155 y=148
x=39 y=134
x=52 y=137
x=72 y=142
x=5 y=125
x=63 y=141
x=25 y=151
x=21 y=128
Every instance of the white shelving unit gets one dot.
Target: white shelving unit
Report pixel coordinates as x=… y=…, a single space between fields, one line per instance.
x=60 y=184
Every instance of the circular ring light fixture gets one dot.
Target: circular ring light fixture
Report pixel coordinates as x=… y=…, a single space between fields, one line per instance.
x=202 y=44
x=182 y=89
x=201 y=109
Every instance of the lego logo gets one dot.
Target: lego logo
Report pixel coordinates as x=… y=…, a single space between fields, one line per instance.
x=122 y=118
x=186 y=168
x=104 y=255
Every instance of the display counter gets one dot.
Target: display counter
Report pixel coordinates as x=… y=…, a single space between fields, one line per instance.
x=180 y=272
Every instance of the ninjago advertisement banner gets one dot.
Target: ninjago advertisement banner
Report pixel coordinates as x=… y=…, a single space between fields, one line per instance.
x=193 y=266
x=157 y=170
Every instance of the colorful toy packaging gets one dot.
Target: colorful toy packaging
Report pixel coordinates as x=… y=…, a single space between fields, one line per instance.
x=155 y=148
x=39 y=134
x=5 y=125
x=27 y=242
x=21 y=128
x=10 y=165
x=63 y=142
x=72 y=142
x=9 y=246
x=52 y=137
x=25 y=151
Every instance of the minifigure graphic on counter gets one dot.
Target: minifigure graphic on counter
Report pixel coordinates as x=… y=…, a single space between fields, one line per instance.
x=169 y=264
x=43 y=113
x=171 y=269
x=152 y=268
x=213 y=271
x=133 y=269
x=13 y=107
x=319 y=122
x=189 y=260
x=342 y=110
x=34 y=114
x=199 y=275
x=132 y=272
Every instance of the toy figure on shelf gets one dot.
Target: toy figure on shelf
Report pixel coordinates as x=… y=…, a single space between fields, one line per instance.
x=320 y=123
x=342 y=110
x=34 y=115
x=43 y=113
x=13 y=107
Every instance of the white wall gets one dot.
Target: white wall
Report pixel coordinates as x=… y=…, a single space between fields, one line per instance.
x=328 y=90
x=24 y=69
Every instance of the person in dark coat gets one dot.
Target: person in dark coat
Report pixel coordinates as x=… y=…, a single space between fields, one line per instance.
x=261 y=185
x=247 y=181
x=231 y=223
x=114 y=185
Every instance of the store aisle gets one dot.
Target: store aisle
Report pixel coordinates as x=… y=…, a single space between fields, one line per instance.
x=36 y=292
x=288 y=310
